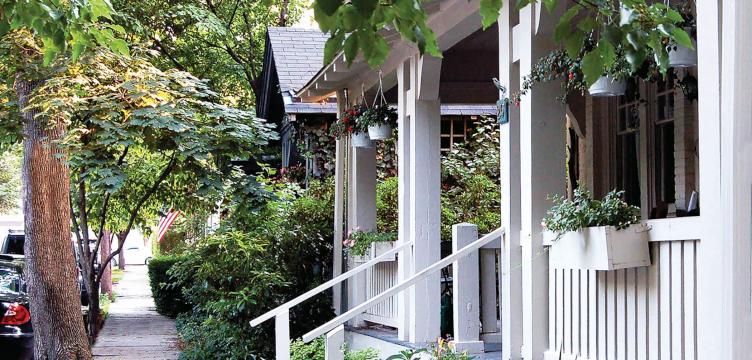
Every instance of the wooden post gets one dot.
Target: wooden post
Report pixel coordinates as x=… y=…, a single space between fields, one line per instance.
x=542 y=152
x=404 y=261
x=466 y=291
x=335 y=340
x=339 y=206
x=488 y=295
x=511 y=251
x=425 y=192
x=282 y=335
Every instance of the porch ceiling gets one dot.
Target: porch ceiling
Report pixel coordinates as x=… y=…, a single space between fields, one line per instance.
x=451 y=20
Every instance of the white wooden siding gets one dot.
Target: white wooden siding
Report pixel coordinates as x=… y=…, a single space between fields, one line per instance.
x=379 y=279
x=639 y=313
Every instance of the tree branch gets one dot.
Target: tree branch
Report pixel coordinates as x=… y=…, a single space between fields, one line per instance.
x=103 y=212
x=163 y=50
x=134 y=212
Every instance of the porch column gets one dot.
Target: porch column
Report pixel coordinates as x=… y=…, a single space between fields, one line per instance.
x=511 y=252
x=424 y=111
x=542 y=153
x=339 y=206
x=404 y=263
x=362 y=207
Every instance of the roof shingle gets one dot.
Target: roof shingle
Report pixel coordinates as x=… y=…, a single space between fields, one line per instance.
x=298 y=55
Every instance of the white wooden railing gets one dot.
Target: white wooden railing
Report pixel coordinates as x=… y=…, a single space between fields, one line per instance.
x=281 y=314
x=334 y=328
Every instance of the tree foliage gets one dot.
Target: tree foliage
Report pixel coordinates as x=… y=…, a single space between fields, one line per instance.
x=630 y=29
x=10 y=179
x=218 y=40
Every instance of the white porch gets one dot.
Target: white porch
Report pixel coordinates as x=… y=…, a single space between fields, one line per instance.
x=693 y=302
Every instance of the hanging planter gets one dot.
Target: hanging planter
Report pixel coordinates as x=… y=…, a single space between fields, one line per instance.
x=682 y=57
x=608 y=86
x=380 y=119
x=380 y=131
x=361 y=140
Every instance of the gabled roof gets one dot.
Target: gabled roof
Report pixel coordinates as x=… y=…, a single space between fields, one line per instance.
x=298 y=55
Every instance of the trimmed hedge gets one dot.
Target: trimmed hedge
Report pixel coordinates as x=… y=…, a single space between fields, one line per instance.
x=168 y=297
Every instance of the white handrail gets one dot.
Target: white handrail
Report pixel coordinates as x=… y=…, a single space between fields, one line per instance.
x=329 y=326
x=310 y=293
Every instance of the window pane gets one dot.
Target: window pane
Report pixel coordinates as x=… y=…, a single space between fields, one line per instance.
x=445 y=143
x=445 y=125
x=627 y=171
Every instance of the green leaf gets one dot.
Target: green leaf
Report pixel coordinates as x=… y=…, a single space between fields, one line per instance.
x=328 y=7
x=587 y=24
x=627 y=15
x=563 y=28
x=101 y=8
x=120 y=46
x=573 y=44
x=682 y=38
x=351 y=19
x=351 y=47
x=365 y=7
x=489 y=12
x=607 y=53
x=550 y=5
x=522 y=3
x=635 y=59
x=674 y=15
x=592 y=66
x=332 y=47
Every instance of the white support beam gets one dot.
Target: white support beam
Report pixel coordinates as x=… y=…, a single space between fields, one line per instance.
x=282 y=335
x=339 y=207
x=466 y=291
x=511 y=252
x=425 y=199
x=542 y=153
x=335 y=341
x=404 y=261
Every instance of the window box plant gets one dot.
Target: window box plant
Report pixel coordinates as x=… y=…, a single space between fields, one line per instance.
x=366 y=245
x=595 y=234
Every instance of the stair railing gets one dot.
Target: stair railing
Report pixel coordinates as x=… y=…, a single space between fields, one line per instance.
x=281 y=314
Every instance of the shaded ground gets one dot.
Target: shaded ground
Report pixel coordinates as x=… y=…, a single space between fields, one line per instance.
x=134 y=330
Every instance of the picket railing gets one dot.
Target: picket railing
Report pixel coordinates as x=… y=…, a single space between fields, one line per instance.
x=281 y=314
x=334 y=327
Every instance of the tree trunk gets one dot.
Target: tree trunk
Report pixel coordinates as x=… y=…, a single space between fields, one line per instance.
x=93 y=317
x=50 y=265
x=121 y=254
x=104 y=252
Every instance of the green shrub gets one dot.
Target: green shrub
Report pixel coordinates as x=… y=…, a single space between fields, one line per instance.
x=167 y=295
x=210 y=338
x=359 y=242
x=386 y=204
x=315 y=350
x=583 y=211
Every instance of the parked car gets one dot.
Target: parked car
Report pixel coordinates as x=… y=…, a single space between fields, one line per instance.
x=14 y=245
x=135 y=255
x=16 y=334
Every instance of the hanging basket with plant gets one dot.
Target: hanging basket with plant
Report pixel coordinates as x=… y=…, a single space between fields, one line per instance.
x=381 y=118
x=349 y=124
x=600 y=51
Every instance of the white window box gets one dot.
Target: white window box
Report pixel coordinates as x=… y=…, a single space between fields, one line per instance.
x=376 y=250
x=600 y=248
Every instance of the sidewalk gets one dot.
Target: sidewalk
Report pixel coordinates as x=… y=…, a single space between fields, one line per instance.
x=134 y=330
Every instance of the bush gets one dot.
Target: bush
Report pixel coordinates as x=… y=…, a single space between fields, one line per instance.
x=582 y=211
x=386 y=204
x=315 y=350
x=167 y=295
x=255 y=262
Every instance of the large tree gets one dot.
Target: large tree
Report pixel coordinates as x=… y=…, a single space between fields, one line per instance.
x=139 y=139
x=33 y=35
x=219 y=40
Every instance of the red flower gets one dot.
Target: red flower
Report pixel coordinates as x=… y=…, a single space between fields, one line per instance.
x=571 y=76
x=350 y=129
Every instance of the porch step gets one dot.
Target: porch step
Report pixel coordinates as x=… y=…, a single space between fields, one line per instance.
x=384 y=339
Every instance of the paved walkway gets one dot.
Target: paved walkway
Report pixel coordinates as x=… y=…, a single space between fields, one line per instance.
x=134 y=330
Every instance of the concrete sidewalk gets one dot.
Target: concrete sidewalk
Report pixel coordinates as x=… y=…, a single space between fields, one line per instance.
x=134 y=330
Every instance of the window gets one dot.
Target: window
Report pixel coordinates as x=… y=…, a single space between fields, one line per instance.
x=662 y=162
x=454 y=130
x=626 y=165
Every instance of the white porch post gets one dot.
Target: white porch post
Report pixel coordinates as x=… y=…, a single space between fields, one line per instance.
x=424 y=112
x=339 y=207
x=404 y=261
x=542 y=152
x=511 y=252
x=466 y=291
x=362 y=205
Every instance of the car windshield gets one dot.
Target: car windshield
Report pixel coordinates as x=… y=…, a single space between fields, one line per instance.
x=14 y=244
x=10 y=281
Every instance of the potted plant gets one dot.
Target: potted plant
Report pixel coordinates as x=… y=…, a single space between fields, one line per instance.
x=595 y=234
x=348 y=125
x=380 y=120
x=613 y=82
x=681 y=55
x=367 y=245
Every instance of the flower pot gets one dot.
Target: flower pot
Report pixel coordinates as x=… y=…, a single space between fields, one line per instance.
x=682 y=57
x=361 y=140
x=380 y=131
x=600 y=248
x=607 y=86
